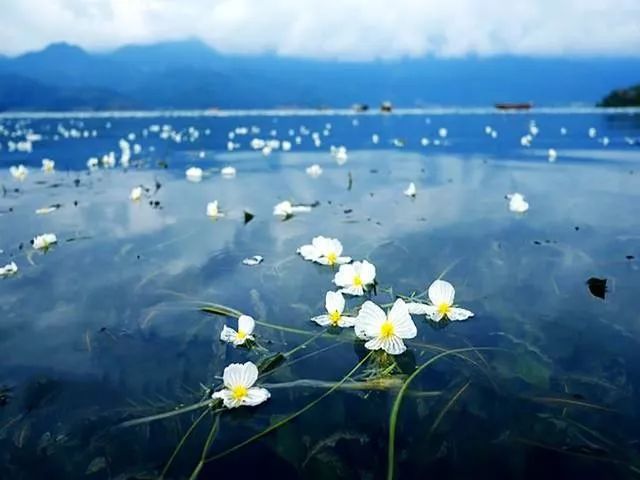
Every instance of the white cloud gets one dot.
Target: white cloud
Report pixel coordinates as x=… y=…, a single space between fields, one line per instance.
x=345 y=29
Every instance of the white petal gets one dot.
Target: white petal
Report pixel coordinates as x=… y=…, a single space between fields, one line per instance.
x=343 y=260
x=344 y=275
x=435 y=315
x=334 y=301
x=320 y=243
x=354 y=290
x=346 y=322
x=367 y=272
x=373 y=344
x=246 y=324
x=249 y=374
x=322 y=320
x=393 y=345
x=369 y=319
x=459 y=314
x=309 y=252
x=227 y=398
x=228 y=334
x=233 y=375
x=335 y=246
x=402 y=322
x=441 y=292
x=416 y=308
x=256 y=396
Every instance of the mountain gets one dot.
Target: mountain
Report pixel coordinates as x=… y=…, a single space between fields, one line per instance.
x=22 y=93
x=189 y=74
x=625 y=97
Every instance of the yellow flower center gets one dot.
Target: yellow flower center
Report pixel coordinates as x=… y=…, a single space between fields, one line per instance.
x=387 y=330
x=357 y=281
x=239 y=392
x=241 y=335
x=334 y=317
x=443 y=308
x=332 y=258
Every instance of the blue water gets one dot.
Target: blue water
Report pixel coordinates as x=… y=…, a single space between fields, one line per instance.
x=106 y=326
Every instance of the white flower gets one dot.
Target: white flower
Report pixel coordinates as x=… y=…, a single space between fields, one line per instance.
x=19 y=173
x=441 y=295
x=136 y=194
x=286 y=209
x=334 y=303
x=314 y=170
x=42 y=242
x=228 y=172
x=385 y=331
x=9 y=269
x=340 y=154
x=92 y=163
x=323 y=250
x=286 y=145
x=354 y=278
x=194 y=174
x=525 y=141
x=375 y=138
x=246 y=325
x=411 y=190
x=552 y=154
x=592 y=132
x=517 y=203
x=213 y=211
x=109 y=160
x=48 y=166
x=238 y=380
x=443 y=133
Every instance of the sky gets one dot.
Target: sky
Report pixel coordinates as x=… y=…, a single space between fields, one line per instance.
x=333 y=29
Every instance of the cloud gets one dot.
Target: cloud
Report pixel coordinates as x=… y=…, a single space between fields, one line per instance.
x=343 y=29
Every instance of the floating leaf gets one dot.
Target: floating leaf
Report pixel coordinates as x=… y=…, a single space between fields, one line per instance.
x=271 y=362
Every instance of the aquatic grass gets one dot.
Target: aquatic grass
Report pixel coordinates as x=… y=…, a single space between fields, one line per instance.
x=448 y=406
x=571 y=402
x=181 y=443
x=207 y=445
x=395 y=410
x=292 y=416
x=165 y=415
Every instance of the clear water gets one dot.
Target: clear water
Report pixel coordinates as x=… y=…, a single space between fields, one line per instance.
x=106 y=326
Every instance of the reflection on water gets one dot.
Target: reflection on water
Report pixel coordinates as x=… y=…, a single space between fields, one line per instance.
x=105 y=326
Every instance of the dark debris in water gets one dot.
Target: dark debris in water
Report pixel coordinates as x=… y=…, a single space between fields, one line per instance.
x=597 y=287
x=248 y=216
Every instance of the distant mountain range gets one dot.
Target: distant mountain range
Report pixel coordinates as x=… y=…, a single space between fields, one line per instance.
x=189 y=74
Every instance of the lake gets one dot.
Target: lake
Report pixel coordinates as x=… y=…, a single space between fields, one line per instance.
x=110 y=339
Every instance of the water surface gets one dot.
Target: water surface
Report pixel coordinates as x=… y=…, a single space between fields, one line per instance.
x=106 y=326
